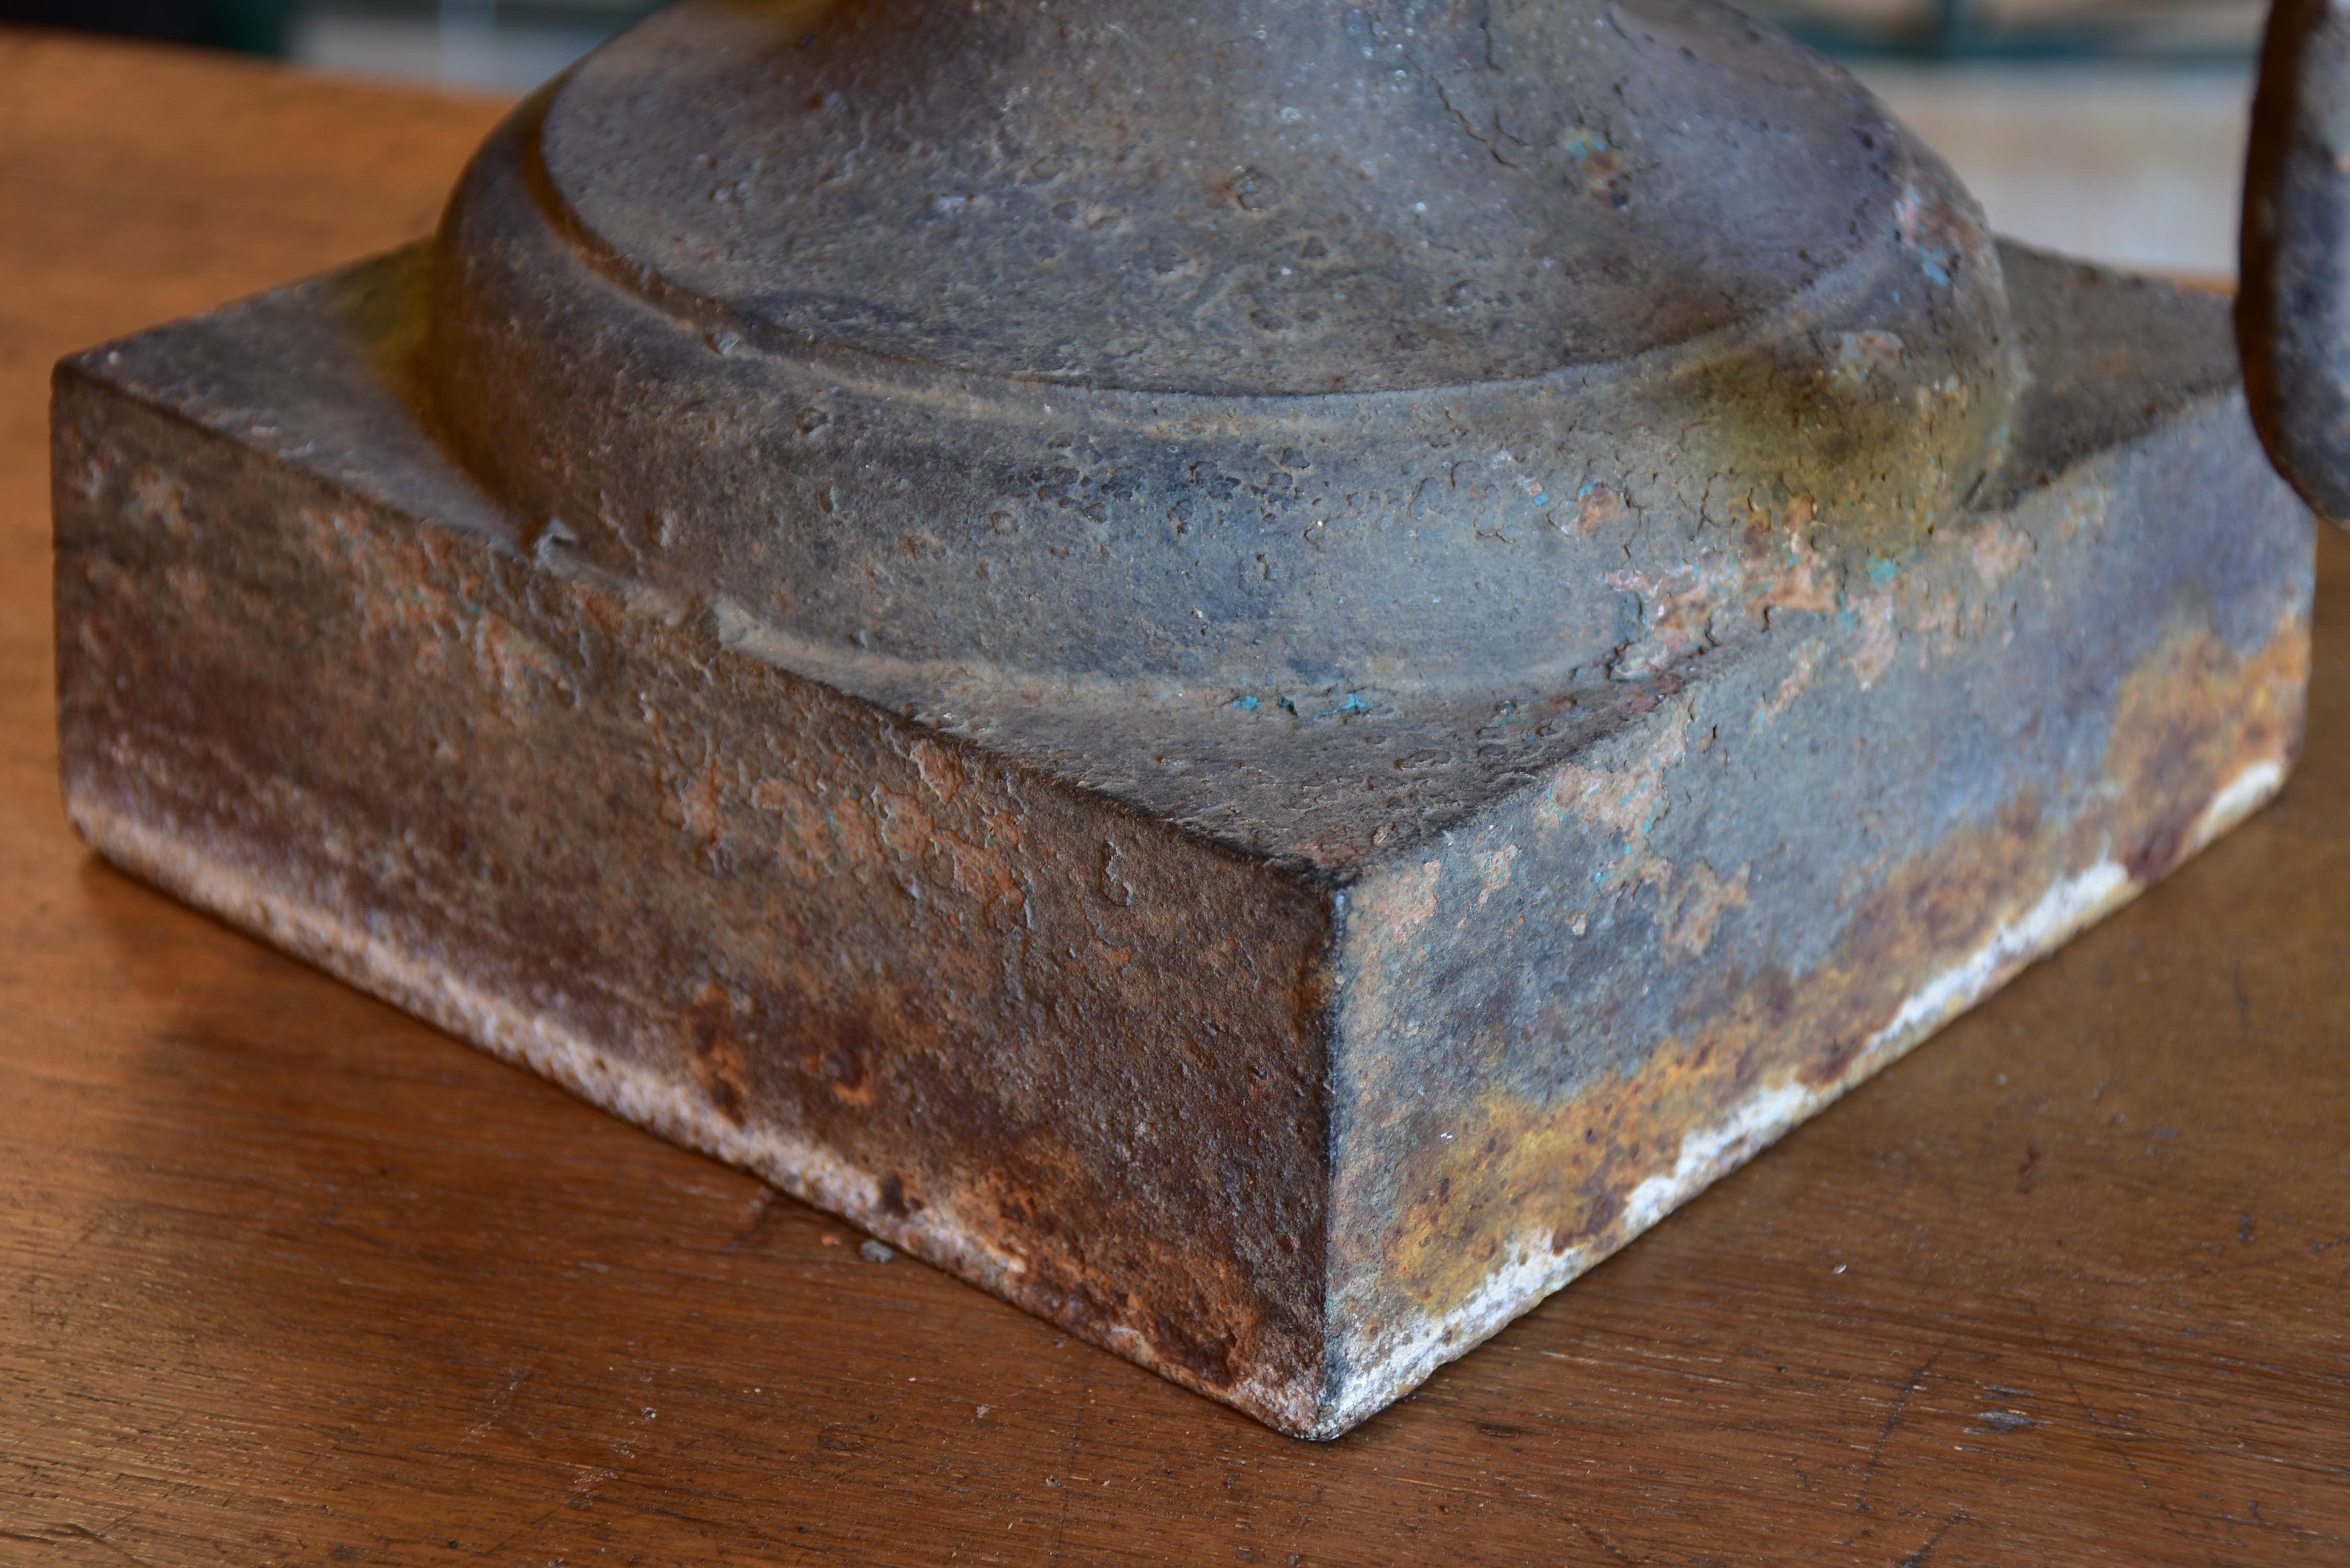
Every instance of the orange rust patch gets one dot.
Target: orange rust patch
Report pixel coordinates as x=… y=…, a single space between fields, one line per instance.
x=1625 y=801
x=940 y=769
x=1726 y=596
x=1403 y=902
x=2194 y=714
x=2190 y=720
x=715 y=1053
x=1697 y=905
x=1597 y=506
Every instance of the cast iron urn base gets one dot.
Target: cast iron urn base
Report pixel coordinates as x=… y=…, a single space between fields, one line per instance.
x=1260 y=675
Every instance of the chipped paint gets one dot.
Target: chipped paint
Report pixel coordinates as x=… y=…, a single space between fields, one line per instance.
x=1872 y=653
x=1807 y=663
x=1723 y=596
x=1694 y=905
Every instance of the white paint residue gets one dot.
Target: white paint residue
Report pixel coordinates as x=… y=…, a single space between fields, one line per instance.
x=1379 y=1372
x=1712 y=1152
x=2067 y=906
x=2246 y=794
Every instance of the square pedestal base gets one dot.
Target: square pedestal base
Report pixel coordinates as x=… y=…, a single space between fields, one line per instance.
x=1289 y=1136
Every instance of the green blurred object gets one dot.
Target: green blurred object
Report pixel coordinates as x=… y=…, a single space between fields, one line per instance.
x=250 y=27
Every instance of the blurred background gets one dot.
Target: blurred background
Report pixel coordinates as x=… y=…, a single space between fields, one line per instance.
x=2112 y=129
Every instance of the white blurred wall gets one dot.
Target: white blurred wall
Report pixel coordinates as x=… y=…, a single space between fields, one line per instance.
x=466 y=45
x=2141 y=165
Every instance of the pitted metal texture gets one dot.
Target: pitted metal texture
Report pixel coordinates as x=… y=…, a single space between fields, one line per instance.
x=898 y=331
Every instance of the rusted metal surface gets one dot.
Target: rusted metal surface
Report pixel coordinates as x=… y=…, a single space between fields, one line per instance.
x=774 y=326
x=1563 y=1019
x=1274 y=876
x=898 y=976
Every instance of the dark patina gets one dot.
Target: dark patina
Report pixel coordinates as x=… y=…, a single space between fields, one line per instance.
x=1261 y=675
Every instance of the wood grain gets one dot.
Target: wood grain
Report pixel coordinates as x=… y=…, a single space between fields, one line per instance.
x=288 y=1278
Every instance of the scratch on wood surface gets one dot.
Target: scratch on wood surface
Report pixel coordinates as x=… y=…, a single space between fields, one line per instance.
x=1892 y=1424
x=2100 y=1428
x=1601 y=1541
x=57 y=1533
x=1917 y=1557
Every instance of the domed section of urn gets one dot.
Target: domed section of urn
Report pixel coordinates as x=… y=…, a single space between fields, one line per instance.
x=1250 y=199
x=1209 y=341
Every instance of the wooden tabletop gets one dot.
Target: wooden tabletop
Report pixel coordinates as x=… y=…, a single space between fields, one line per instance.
x=286 y=1278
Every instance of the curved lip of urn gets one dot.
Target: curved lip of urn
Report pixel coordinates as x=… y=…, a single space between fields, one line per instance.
x=979 y=392
x=956 y=692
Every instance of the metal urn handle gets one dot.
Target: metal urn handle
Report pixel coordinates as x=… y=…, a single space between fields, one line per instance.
x=2293 y=309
